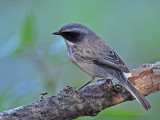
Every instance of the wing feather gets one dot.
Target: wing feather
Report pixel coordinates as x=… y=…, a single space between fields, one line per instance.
x=101 y=54
x=113 y=60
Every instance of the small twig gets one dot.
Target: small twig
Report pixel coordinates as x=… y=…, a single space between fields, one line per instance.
x=43 y=94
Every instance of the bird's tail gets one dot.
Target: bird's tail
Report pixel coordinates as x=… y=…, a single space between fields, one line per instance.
x=128 y=85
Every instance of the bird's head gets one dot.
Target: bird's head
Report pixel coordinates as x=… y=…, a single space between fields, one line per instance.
x=75 y=32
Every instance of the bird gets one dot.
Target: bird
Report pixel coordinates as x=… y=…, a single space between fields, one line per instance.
x=92 y=55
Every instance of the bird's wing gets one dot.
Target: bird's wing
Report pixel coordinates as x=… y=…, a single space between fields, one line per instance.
x=101 y=54
x=107 y=56
x=112 y=60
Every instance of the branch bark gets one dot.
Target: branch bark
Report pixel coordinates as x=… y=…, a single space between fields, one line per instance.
x=71 y=103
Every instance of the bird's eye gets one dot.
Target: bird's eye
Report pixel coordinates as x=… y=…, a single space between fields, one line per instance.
x=72 y=36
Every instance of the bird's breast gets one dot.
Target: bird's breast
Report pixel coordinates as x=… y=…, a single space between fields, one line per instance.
x=87 y=65
x=70 y=55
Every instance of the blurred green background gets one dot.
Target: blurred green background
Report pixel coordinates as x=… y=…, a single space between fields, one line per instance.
x=32 y=60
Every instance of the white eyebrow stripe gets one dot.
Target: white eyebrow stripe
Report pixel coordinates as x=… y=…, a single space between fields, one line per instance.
x=80 y=30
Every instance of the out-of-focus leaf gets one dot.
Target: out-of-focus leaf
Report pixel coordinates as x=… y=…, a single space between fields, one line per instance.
x=27 y=35
x=114 y=115
x=118 y=113
x=4 y=96
x=9 y=47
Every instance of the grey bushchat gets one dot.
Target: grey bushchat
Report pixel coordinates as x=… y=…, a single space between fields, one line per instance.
x=91 y=54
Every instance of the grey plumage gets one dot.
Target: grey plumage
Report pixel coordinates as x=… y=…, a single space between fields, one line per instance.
x=90 y=53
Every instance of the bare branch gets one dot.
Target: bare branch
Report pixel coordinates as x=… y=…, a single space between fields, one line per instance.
x=71 y=103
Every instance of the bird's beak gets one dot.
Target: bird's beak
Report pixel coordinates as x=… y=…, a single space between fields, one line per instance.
x=56 y=33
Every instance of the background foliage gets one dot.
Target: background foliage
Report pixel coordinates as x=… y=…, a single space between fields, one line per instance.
x=32 y=60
